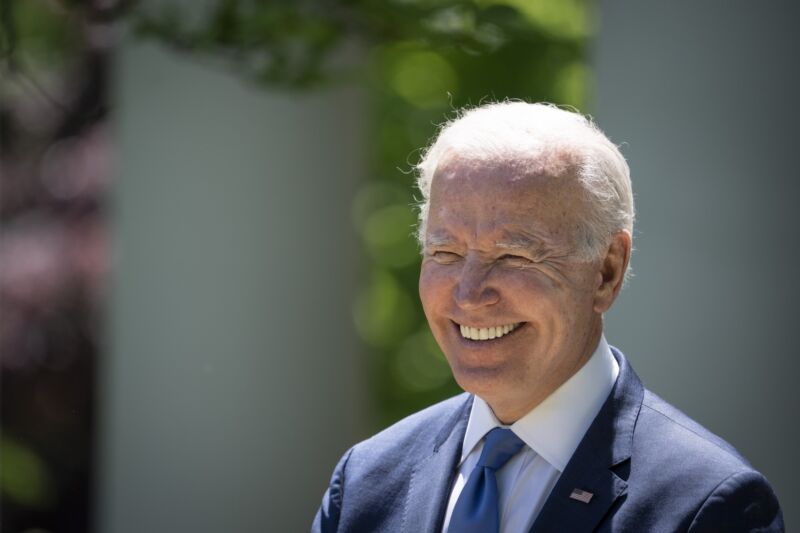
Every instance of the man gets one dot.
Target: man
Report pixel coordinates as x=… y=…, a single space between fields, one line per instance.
x=526 y=228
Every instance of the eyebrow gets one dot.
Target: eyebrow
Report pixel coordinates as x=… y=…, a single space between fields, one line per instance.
x=520 y=240
x=510 y=240
x=439 y=239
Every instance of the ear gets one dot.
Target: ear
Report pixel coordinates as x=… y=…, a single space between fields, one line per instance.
x=612 y=271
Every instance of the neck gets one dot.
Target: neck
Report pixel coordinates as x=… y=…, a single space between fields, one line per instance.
x=510 y=409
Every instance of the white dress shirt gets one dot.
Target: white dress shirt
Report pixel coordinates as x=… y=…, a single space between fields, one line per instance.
x=551 y=432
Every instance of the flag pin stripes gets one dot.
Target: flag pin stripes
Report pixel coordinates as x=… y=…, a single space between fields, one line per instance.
x=581 y=495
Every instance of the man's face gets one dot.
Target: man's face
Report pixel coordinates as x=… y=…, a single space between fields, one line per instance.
x=501 y=264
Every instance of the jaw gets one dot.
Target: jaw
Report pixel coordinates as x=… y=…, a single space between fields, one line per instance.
x=515 y=372
x=481 y=366
x=503 y=387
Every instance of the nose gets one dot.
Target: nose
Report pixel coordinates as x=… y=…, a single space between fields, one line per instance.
x=473 y=289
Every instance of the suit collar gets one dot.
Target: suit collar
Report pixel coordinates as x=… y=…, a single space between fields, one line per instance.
x=432 y=477
x=597 y=466
x=554 y=428
x=600 y=463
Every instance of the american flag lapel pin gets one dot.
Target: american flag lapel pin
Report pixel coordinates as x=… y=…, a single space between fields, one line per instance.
x=581 y=495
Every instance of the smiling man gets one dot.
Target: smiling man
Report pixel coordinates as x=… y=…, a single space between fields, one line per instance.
x=526 y=227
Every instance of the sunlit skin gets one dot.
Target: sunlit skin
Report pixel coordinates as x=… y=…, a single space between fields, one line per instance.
x=500 y=248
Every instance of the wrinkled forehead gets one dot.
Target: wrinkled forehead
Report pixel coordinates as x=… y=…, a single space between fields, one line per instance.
x=506 y=178
x=511 y=164
x=490 y=198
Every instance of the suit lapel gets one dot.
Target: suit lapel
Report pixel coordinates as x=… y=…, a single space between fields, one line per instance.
x=432 y=477
x=599 y=464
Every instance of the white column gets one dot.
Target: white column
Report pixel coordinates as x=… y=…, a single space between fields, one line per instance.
x=230 y=383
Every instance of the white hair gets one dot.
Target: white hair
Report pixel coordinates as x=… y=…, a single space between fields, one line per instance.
x=543 y=139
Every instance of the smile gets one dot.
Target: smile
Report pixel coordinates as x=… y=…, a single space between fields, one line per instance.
x=484 y=334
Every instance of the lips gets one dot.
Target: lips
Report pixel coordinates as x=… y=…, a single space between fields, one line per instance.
x=488 y=333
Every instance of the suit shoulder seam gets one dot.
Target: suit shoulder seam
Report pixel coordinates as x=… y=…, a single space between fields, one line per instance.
x=344 y=467
x=405 y=502
x=690 y=430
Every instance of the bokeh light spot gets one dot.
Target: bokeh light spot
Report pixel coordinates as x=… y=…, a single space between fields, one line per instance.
x=566 y=18
x=383 y=311
x=423 y=79
x=388 y=234
x=419 y=365
x=23 y=476
x=571 y=83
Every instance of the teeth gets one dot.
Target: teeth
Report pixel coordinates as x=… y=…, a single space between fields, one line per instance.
x=482 y=334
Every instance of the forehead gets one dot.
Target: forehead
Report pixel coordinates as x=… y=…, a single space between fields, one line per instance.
x=502 y=200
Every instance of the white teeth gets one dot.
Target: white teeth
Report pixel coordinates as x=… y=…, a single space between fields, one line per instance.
x=482 y=334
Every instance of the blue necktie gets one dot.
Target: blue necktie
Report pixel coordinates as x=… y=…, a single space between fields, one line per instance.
x=476 y=510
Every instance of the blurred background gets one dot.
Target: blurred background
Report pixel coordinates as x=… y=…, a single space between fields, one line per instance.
x=207 y=264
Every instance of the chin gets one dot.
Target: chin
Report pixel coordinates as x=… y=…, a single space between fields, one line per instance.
x=483 y=381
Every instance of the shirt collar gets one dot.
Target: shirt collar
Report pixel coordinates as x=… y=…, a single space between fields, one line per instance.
x=555 y=427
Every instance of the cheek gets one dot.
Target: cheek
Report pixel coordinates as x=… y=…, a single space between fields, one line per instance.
x=527 y=285
x=572 y=313
x=546 y=301
x=434 y=286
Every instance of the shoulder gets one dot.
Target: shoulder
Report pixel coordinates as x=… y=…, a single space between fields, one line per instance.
x=375 y=472
x=678 y=465
x=653 y=432
x=413 y=434
x=661 y=423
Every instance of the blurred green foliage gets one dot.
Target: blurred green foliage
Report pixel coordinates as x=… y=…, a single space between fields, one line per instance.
x=531 y=50
x=425 y=59
x=302 y=43
x=24 y=478
x=39 y=35
x=422 y=60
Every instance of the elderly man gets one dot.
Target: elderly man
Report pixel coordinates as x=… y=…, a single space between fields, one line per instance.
x=526 y=232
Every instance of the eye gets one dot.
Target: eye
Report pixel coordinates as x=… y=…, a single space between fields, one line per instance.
x=440 y=256
x=515 y=259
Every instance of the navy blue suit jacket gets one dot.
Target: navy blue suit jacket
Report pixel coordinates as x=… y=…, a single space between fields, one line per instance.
x=650 y=468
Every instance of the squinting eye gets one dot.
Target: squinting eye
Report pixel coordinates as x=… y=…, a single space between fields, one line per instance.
x=515 y=259
x=445 y=257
